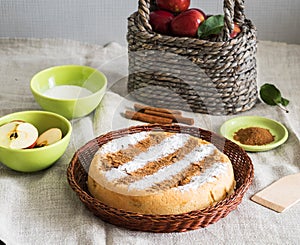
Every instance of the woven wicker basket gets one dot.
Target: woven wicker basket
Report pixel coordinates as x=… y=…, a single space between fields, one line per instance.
x=207 y=76
x=243 y=171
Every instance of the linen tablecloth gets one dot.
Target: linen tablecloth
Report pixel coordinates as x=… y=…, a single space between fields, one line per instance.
x=41 y=208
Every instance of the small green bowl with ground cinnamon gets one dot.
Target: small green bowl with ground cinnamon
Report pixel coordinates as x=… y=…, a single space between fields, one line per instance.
x=254 y=133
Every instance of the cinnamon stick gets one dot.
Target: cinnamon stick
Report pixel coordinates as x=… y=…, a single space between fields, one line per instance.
x=175 y=117
x=147 y=117
x=140 y=107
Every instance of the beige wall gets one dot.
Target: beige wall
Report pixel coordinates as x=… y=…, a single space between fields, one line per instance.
x=102 y=21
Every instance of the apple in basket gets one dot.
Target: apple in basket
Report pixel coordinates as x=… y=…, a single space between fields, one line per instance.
x=186 y=24
x=18 y=135
x=175 y=6
x=236 y=31
x=160 y=21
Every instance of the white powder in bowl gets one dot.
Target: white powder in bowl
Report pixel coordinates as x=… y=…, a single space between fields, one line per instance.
x=67 y=92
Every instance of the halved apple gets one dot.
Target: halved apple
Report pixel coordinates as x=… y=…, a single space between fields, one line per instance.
x=18 y=135
x=49 y=137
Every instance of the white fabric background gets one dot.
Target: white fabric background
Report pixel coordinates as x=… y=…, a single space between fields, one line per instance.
x=102 y=21
x=40 y=208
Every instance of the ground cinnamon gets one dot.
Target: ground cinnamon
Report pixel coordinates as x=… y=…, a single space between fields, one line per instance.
x=253 y=136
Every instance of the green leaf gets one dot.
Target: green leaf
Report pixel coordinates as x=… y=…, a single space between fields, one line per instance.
x=284 y=101
x=271 y=95
x=213 y=25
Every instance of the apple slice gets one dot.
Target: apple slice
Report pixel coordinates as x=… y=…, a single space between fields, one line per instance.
x=18 y=135
x=49 y=137
x=6 y=131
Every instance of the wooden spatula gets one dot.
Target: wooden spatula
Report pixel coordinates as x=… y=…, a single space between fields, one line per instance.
x=280 y=195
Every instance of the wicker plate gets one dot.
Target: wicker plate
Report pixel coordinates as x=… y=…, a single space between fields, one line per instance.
x=243 y=170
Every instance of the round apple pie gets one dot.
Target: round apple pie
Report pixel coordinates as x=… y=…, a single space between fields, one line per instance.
x=160 y=173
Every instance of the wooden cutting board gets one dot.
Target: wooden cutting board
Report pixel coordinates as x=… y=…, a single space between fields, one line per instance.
x=280 y=195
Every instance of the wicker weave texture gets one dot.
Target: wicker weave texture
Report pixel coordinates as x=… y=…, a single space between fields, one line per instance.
x=77 y=174
x=208 y=76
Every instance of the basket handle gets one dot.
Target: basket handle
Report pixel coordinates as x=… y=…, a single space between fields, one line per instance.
x=233 y=12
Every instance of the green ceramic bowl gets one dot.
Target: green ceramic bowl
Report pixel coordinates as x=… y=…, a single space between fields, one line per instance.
x=278 y=130
x=35 y=159
x=65 y=102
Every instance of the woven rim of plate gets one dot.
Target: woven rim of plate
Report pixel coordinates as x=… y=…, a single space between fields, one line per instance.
x=241 y=162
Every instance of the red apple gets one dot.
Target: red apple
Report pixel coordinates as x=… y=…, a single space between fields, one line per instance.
x=175 y=6
x=18 y=135
x=160 y=21
x=236 y=31
x=49 y=137
x=187 y=23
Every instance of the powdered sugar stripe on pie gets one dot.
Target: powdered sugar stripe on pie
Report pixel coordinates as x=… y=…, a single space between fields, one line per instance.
x=166 y=147
x=198 y=154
